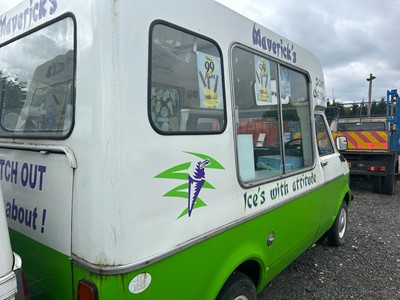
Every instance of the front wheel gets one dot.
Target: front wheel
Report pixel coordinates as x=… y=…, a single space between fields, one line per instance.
x=337 y=233
x=238 y=287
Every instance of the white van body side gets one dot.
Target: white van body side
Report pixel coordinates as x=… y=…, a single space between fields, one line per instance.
x=8 y=280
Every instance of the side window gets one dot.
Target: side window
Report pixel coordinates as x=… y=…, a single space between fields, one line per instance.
x=37 y=78
x=296 y=119
x=273 y=112
x=324 y=144
x=186 y=86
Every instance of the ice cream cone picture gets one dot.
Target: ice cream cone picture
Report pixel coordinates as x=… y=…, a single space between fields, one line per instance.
x=262 y=80
x=196 y=180
x=210 y=93
x=262 y=87
x=193 y=174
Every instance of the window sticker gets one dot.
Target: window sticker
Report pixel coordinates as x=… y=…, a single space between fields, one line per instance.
x=210 y=84
x=286 y=92
x=263 y=81
x=164 y=106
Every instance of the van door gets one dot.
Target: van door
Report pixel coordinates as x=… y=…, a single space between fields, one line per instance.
x=37 y=188
x=331 y=165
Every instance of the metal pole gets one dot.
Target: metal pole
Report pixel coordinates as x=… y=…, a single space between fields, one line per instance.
x=369 y=79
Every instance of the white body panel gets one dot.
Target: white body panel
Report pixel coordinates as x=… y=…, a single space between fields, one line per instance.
x=41 y=189
x=8 y=286
x=8 y=281
x=6 y=257
x=118 y=212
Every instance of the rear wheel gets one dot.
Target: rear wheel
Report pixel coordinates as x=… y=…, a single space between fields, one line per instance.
x=337 y=234
x=388 y=184
x=377 y=184
x=238 y=287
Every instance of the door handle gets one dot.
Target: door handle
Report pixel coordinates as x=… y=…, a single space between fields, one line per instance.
x=324 y=163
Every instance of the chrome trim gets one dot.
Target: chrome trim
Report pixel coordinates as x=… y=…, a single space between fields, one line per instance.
x=8 y=286
x=44 y=149
x=123 y=269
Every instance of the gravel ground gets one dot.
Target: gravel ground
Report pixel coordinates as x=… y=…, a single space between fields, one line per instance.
x=366 y=267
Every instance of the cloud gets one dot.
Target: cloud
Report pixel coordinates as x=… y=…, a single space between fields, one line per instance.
x=351 y=38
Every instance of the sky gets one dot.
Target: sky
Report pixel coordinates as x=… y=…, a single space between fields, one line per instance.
x=352 y=39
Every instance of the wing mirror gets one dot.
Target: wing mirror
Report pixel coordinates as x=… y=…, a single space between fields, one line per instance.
x=341 y=143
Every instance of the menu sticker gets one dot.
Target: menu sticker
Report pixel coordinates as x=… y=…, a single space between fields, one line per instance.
x=286 y=92
x=263 y=81
x=210 y=81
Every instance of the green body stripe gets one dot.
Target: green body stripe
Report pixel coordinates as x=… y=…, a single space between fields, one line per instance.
x=47 y=271
x=197 y=272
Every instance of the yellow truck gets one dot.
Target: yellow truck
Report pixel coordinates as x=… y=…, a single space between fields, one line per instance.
x=373 y=142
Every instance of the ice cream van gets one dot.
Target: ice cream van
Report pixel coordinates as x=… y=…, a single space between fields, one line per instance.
x=161 y=150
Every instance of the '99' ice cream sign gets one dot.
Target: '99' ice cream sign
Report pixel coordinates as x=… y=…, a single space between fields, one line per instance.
x=210 y=83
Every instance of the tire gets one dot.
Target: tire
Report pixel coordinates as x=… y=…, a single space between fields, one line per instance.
x=377 y=184
x=238 y=287
x=337 y=234
x=388 y=184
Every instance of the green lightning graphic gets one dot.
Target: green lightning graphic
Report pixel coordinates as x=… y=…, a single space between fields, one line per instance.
x=180 y=172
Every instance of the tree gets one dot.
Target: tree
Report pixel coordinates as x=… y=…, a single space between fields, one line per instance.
x=381 y=107
x=12 y=92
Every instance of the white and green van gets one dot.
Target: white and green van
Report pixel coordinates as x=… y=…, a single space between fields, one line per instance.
x=161 y=150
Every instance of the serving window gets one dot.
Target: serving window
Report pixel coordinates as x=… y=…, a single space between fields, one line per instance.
x=273 y=112
x=186 y=93
x=36 y=83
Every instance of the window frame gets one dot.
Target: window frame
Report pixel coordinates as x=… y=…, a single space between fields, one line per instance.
x=32 y=135
x=329 y=138
x=310 y=110
x=149 y=82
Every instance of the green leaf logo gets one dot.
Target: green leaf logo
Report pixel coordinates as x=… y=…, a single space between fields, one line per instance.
x=195 y=180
